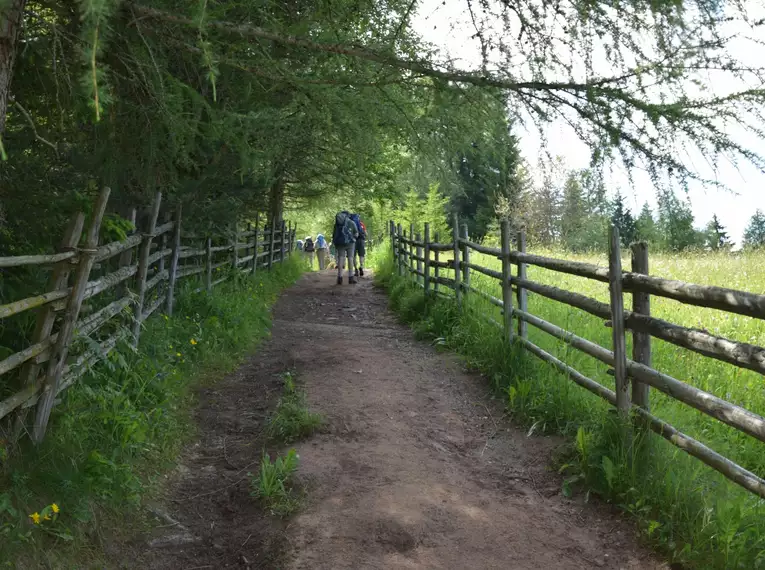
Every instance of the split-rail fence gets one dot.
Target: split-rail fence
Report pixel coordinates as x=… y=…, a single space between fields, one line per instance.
x=132 y=278
x=417 y=257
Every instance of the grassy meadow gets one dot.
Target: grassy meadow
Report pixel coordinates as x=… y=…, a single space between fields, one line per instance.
x=686 y=508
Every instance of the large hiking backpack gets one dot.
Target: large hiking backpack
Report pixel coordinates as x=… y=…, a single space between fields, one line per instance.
x=343 y=233
x=308 y=245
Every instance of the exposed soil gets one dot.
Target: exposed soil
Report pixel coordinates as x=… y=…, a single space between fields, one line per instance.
x=417 y=467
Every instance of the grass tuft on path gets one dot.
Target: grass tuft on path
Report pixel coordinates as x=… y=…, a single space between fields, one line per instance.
x=117 y=433
x=683 y=507
x=272 y=484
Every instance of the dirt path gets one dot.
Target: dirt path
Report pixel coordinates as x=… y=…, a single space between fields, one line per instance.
x=417 y=468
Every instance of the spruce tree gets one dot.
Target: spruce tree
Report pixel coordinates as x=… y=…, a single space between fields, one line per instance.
x=716 y=237
x=754 y=234
x=675 y=223
x=622 y=218
x=645 y=226
x=573 y=219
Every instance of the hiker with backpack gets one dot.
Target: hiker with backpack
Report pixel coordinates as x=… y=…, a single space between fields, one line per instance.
x=360 y=249
x=344 y=238
x=321 y=251
x=308 y=250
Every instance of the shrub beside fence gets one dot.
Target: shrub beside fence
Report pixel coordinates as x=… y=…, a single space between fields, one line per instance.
x=128 y=281
x=419 y=260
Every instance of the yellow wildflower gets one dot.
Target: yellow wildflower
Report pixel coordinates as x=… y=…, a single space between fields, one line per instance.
x=35 y=518
x=193 y=341
x=54 y=508
x=46 y=518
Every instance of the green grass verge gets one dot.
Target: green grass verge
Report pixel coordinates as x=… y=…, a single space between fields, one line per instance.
x=120 y=429
x=686 y=509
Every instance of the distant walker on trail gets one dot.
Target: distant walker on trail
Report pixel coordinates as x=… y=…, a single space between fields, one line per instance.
x=344 y=239
x=308 y=250
x=322 y=248
x=361 y=249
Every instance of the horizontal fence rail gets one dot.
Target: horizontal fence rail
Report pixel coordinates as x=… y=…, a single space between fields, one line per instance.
x=419 y=260
x=100 y=295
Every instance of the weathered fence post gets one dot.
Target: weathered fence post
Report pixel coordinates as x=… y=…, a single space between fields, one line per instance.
x=418 y=251
x=457 y=269
x=465 y=260
x=143 y=267
x=174 y=261
x=507 y=289
x=46 y=316
x=426 y=279
x=126 y=257
x=281 y=243
x=163 y=245
x=399 y=247
x=256 y=245
x=60 y=351
x=522 y=293
x=235 y=256
x=272 y=241
x=208 y=264
x=405 y=249
x=411 y=253
x=436 y=269
x=641 y=342
x=392 y=236
x=617 y=322
x=248 y=249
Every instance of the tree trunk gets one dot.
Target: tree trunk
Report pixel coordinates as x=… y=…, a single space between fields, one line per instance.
x=276 y=202
x=11 y=19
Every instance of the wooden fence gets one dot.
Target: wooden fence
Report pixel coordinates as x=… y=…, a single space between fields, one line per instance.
x=132 y=278
x=418 y=257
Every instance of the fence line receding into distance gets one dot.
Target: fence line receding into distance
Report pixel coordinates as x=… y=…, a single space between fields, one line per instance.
x=419 y=259
x=134 y=278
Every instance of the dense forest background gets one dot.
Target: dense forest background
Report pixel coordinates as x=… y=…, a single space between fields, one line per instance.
x=310 y=106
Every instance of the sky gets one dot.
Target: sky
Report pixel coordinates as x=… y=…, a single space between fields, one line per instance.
x=446 y=24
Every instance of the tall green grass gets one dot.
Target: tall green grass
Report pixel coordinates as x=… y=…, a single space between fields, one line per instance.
x=118 y=431
x=696 y=515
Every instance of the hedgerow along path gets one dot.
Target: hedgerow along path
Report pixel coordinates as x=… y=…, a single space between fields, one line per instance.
x=416 y=468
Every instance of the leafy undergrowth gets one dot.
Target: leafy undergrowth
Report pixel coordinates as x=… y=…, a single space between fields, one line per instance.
x=119 y=431
x=682 y=507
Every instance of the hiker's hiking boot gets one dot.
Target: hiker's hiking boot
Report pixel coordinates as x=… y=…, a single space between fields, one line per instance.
x=352 y=281
x=339 y=280
x=355 y=272
x=361 y=272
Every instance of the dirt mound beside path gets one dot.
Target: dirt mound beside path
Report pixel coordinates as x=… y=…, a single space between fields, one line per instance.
x=416 y=469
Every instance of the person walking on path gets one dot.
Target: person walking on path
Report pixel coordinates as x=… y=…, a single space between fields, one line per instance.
x=344 y=238
x=360 y=249
x=321 y=251
x=308 y=250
